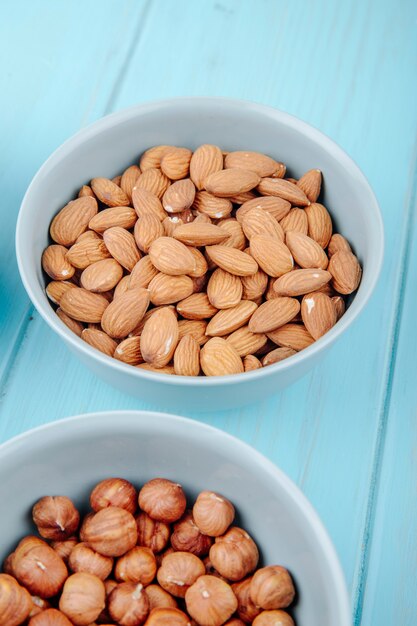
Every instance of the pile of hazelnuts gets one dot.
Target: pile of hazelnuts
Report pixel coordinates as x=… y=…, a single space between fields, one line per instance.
x=158 y=564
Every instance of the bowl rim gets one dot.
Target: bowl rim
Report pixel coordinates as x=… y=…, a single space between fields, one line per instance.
x=44 y=308
x=107 y=424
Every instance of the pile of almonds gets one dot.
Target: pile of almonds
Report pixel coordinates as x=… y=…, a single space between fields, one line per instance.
x=158 y=565
x=199 y=262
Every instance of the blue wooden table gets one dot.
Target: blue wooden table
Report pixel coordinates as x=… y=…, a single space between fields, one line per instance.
x=347 y=433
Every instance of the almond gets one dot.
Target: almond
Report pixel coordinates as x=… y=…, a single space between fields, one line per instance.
x=56 y=289
x=232 y=260
x=73 y=325
x=168 y=289
x=152 y=157
x=86 y=191
x=147 y=203
x=175 y=163
x=147 y=229
x=200 y=267
x=88 y=251
x=125 y=312
x=280 y=171
x=260 y=222
x=89 y=234
x=272 y=314
x=254 y=161
x=159 y=338
x=237 y=237
x=121 y=287
x=128 y=180
x=245 y=342
x=170 y=224
x=102 y=275
x=197 y=234
x=300 y=282
x=210 y=205
x=254 y=286
x=244 y=196
x=73 y=220
x=319 y=224
x=338 y=243
x=109 y=193
x=277 y=355
x=310 y=183
x=117 y=180
x=230 y=182
x=136 y=332
x=195 y=328
x=196 y=307
x=295 y=220
x=167 y=369
x=187 y=357
x=224 y=290
x=206 y=160
x=346 y=272
x=128 y=351
x=56 y=264
x=123 y=216
x=122 y=246
x=142 y=273
x=202 y=218
x=283 y=189
x=99 y=340
x=318 y=313
x=179 y=196
x=82 y=305
x=171 y=256
x=305 y=251
x=272 y=255
x=339 y=305
x=294 y=336
x=251 y=363
x=218 y=358
x=152 y=180
x=277 y=207
x=229 y=320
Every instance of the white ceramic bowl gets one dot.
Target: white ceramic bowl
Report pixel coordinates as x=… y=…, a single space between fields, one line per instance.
x=68 y=457
x=111 y=144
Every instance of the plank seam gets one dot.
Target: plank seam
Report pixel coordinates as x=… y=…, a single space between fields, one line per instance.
x=9 y=365
x=359 y=599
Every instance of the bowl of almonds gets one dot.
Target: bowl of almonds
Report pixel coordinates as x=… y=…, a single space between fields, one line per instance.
x=199 y=252
x=138 y=518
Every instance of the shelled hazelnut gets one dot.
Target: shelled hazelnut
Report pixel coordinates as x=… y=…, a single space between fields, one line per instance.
x=187 y=537
x=210 y=601
x=152 y=534
x=163 y=500
x=111 y=531
x=128 y=604
x=272 y=588
x=83 y=598
x=246 y=609
x=159 y=598
x=50 y=617
x=38 y=605
x=273 y=618
x=56 y=517
x=64 y=548
x=136 y=566
x=178 y=571
x=234 y=554
x=15 y=601
x=213 y=513
x=167 y=617
x=38 y=567
x=114 y=492
x=85 y=559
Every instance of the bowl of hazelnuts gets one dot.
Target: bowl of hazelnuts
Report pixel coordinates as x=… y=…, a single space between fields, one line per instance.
x=131 y=518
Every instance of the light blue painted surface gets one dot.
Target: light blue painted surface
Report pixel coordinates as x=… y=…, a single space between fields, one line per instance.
x=347 y=432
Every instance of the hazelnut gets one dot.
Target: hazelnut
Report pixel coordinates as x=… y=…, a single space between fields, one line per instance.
x=159 y=598
x=213 y=513
x=246 y=609
x=179 y=571
x=7 y=565
x=210 y=601
x=128 y=604
x=162 y=500
x=167 y=617
x=136 y=566
x=160 y=557
x=111 y=531
x=234 y=622
x=84 y=525
x=152 y=534
x=210 y=570
x=109 y=585
x=273 y=618
x=15 y=601
x=114 y=492
x=272 y=588
x=82 y=598
x=64 y=548
x=56 y=517
x=50 y=617
x=85 y=559
x=234 y=554
x=104 y=617
x=38 y=605
x=38 y=567
x=188 y=538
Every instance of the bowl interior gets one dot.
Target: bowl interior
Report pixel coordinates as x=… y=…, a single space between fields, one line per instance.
x=113 y=143
x=70 y=456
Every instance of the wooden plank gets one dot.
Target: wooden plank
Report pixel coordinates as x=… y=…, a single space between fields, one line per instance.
x=61 y=64
x=347 y=68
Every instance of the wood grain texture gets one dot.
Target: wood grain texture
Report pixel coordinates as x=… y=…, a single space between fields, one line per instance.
x=347 y=68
